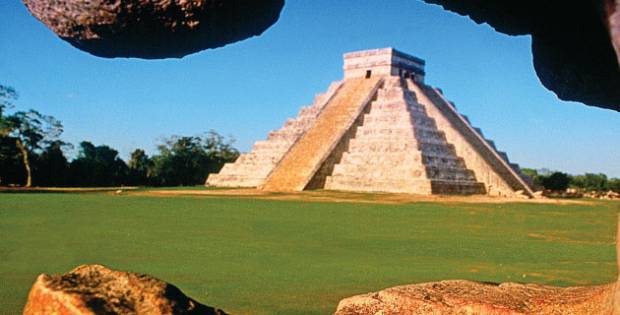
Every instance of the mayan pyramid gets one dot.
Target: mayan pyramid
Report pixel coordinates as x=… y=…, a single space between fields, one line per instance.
x=381 y=129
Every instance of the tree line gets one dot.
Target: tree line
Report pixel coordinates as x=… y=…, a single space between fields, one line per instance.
x=559 y=181
x=32 y=154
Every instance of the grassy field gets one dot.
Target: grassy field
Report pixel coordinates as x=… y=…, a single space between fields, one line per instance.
x=251 y=256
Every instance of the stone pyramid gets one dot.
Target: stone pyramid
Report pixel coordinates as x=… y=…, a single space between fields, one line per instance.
x=381 y=129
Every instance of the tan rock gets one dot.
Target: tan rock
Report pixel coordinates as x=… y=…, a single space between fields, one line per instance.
x=94 y=289
x=459 y=297
x=465 y=297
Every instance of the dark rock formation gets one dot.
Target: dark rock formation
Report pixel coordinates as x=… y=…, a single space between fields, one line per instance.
x=571 y=42
x=94 y=289
x=154 y=29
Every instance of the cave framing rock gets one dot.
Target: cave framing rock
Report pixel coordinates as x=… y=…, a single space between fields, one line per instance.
x=154 y=29
x=572 y=42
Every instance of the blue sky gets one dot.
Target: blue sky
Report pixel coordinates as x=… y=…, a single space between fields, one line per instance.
x=248 y=88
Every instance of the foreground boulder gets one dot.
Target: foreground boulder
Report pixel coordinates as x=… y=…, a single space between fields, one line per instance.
x=465 y=297
x=459 y=297
x=94 y=289
x=573 y=42
x=154 y=29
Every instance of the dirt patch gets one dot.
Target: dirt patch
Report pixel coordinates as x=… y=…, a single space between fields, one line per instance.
x=336 y=196
x=64 y=189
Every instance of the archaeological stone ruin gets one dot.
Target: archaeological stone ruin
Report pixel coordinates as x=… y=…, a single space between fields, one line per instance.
x=380 y=129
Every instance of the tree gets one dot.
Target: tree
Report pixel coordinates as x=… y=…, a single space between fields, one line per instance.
x=533 y=175
x=182 y=161
x=7 y=94
x=591 y=182
x=140 y=166
x=9 y=156
x=29 y=131
x=219 y=150
x=98 y=166
x=556 y=181
x=26 y=131
x=11 y=169
x=52 y=167
x=188 y=160
x=614 y=184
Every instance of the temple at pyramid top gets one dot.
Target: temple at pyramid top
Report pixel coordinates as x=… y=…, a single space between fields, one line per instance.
x=383 y=62
x=380 y=129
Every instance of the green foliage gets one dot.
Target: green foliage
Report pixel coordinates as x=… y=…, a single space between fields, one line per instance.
x=529 y=172
x=533 y=175
x=11 y=165
x=614 y=184
x=98 y=166
x=27 y=131
x=140 y=168
x=33 y=128
x=7 y=95
x=252 y=256
x=557 y=181
x=51 y=166
x=188 y=160
x=590 y=182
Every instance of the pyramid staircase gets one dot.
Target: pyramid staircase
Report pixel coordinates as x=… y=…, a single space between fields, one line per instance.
x=398 y=148
x=251 y=169
x=296 y=169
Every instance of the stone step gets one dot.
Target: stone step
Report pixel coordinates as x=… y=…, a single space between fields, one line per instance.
x=376 y=185
x=405 y=101
x=443 y=161
x=364 y=159
x=456 y=187
x=261 y=153
x=408 y=160
x=395 y=93
x=428 y=134
x=397 y=110
x=396 y=146
x=234 y=181
x=396 y=107
x=385 y=132
x=423 y=122
x=394 y=172
x=431 y=143
x=386 y=120
x=272 y=144
x=450 y=173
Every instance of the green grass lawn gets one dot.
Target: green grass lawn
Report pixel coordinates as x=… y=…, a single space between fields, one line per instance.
x=251 y=256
